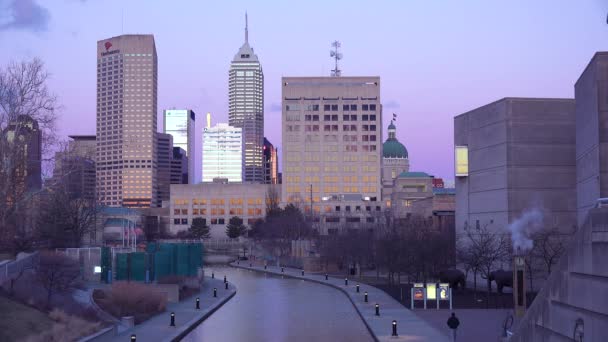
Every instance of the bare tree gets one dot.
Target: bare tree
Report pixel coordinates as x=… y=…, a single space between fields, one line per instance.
x=24 y=98
x=549 y=245
x=56 y=272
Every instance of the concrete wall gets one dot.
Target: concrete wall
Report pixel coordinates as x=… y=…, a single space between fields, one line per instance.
x=521 y=156
x=591 y=91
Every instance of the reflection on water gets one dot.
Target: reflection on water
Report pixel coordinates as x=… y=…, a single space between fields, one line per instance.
x=270 y=308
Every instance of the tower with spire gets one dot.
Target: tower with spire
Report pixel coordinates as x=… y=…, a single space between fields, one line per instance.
x=246 y=107
x=395 y=160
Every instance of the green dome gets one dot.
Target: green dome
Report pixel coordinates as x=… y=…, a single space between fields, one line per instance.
x=393 y=149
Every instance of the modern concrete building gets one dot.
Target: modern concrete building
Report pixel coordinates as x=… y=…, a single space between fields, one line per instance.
x=591 y=134
x=217 y=203
x=179 y=166
x=180 y=123
x=395 y=161
x=246 y=107
x=408 y=188
x=127 y=70
x=271 y=163
x=75 y=167
x=514 y=155
x=332 y=129
x=223 y=153
x=164 y=156
x=26 y=137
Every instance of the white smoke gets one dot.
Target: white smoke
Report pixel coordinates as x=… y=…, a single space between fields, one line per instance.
x=523 y=227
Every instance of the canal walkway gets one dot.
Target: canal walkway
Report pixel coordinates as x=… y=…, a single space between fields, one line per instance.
x=409 y=326
x=187 y=317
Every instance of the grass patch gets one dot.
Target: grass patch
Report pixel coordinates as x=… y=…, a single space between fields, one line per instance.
x=18 y=321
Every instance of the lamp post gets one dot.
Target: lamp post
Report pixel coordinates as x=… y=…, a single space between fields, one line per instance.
x=172 y=319
x=377 y=309
x=394 y=328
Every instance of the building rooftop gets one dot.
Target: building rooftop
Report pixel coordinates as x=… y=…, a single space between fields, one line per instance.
x=392 y=148
x=414 y=175
x=444 y=191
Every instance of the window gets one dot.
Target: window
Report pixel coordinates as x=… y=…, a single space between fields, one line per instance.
x=194 y=211
x=184 y=221
x=462 y=161
x=176 y=221
x=326 y=107
x=345 y=107
x=368 y=208
x=175 y=211
x=369 y=219
x=365 y=107
x=332 y=219
x=365 y=117
x=353 y=107
x=347 y=208
x=353 y=118
x=184 y=211
x=345 y=117
x=337 y=208
x=334 y=117
x=353 y=219
x=372 y=117
x=315 y=118
x=334 y=107
x=220 y=221
x=372 y=107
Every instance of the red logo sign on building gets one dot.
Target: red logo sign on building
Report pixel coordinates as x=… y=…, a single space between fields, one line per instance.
x=108 y=45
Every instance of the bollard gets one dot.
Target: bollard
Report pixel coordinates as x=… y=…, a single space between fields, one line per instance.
x=302 y=273
x=345 y=281
x=394 y=328
x=133 y=338
x=377 y=309
x=224 y=279
x=173 y=319
x=198 y=303
x=238 y=262
x=265 y=266
x=226 y=286
x=282 y=270
x=326 y=276
x=214 y=292
x=212 y=275
x=357 y=288
x=366 y=296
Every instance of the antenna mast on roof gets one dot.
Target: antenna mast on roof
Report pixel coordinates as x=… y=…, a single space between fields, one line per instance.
x=336 y=56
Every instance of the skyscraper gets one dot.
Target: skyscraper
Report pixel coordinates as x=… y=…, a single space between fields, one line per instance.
x=126 y=163
x=180 y=123
x=164 y=149
x=246 y=107
x=331 y=148
x=25 y=136
x=271 y=163
x=222 y=153
x=179 y=166
x=75 y=168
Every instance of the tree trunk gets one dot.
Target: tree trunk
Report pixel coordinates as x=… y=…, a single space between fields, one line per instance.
x=475 y=286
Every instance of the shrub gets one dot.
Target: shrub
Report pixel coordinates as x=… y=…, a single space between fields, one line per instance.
x=132 y=299
x=66 y=328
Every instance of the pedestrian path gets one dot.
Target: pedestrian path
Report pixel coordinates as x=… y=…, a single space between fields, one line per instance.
x=409 y=326
x=187 y=317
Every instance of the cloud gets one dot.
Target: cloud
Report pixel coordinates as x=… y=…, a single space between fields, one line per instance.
x=391 y=104
x=24 y=15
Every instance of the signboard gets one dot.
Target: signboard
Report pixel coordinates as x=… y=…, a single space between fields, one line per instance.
x=444 y=291
x=431 y=291
x=418 y=291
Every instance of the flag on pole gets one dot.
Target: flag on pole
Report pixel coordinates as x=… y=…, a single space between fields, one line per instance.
x=394 y=117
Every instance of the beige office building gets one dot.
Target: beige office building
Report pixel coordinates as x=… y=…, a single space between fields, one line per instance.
x=126 y=161
x=332 y=143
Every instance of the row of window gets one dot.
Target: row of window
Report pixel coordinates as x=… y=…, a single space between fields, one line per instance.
x=219 y=220
x=218 y=211
x=218 y=201
x=330 y=107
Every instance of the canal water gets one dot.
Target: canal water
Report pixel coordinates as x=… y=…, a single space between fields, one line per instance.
x=271 y=308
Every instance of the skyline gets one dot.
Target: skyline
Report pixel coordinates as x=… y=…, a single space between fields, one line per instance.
x=515 y=58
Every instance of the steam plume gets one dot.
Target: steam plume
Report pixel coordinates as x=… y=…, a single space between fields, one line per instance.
x=523 y=227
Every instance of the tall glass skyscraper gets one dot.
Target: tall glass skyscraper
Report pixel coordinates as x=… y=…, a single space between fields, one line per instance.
x=222 y=153
x=180 y=124
x=246 y=107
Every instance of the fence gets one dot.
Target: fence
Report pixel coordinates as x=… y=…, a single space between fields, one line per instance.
x=11 y=269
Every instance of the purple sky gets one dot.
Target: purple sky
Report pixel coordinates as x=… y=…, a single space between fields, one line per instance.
x=436 y=59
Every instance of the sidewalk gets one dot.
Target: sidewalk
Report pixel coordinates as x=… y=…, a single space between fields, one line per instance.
x=409 y=326
x=187 y=317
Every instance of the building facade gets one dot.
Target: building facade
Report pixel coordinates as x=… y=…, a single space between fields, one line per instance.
x=75 y=167
x=395 y=161
x=515 y=155
x=408 y=188
x=332 y=129
x=179 y=166
x=180 y=123
x=591 y=135
x=223 y=153
x=216 y=203
x=246 y=107
x=271 y=163
x=127 y=70
x=24 y=134
x=164 y=149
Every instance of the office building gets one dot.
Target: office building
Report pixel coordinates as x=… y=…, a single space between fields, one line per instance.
x=216 y=203
x=180 y=123
x=75 y=167
x=164 y=158
x=25 y=137
x=591 y=135
x=409 y=187
x=223 y=153
x=179 y=166
x=127 y=70
x=332 y=129
x=515 y=155
x=246 y=107
x=395 y=161
x=271 y=163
